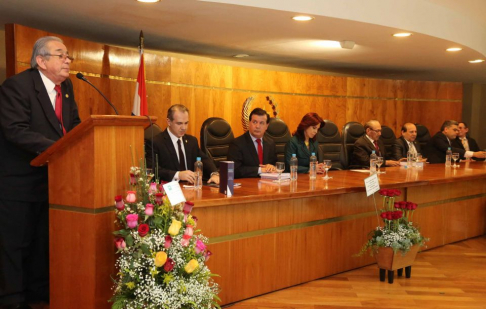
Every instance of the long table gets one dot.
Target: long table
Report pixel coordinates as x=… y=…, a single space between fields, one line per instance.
x=268 y=236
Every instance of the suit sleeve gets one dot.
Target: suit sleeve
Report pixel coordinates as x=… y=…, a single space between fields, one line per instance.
x=360 y=155
x=235 y=154
x=15 y=118
x=208 y=164
x=397 y=151
x=442 y=145
x=164 y=173
x=74 y=108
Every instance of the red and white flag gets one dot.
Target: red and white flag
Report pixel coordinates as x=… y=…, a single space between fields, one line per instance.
x=140 y=107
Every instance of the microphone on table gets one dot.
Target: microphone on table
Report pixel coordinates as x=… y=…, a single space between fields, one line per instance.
x=81 y=77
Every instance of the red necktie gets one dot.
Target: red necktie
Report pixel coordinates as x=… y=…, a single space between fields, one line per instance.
x=58 y=108
x=377 y=147
x=260 y=150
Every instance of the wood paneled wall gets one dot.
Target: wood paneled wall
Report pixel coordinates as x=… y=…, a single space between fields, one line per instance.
x=215 y=90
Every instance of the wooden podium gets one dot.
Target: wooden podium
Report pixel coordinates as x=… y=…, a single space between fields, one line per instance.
x=87 y=168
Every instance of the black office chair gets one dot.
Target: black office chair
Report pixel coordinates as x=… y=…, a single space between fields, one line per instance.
x=280 y=134
x=388 y=137
x=351 y=132
x=216 y=137
x=423 y=135
x=330 y=144
x=148 y=135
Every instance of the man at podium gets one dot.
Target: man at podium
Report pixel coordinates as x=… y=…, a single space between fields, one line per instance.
x=37 y=108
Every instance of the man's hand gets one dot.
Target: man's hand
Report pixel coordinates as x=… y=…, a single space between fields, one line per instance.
x=189 y=176
x=268 y=168
x=392 y=163
x=479 y=154
x=215 y=179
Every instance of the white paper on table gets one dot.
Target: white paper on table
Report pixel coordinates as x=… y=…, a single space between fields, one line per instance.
x=372 y=184
x=174 y=192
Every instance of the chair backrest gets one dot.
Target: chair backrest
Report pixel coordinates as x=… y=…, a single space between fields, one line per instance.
x=280 y=134
x=423 y=135
x=351 y=132
x=388 y=137
x=216 y=137
x=330 y=143
x=151 y=131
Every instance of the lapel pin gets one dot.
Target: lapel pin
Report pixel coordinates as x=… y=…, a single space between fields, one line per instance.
x=67 y=95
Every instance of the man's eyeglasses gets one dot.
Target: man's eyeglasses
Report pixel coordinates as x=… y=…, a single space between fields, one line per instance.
x=62 y=56
x=377 y=131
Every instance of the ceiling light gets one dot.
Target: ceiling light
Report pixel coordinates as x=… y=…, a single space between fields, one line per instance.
x=454 y=49
x=148 y=1
x=402 y=34
x=241 y=56
x=302 y=18
x=476 y=61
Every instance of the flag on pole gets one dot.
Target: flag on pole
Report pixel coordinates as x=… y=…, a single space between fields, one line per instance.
x=140 y=107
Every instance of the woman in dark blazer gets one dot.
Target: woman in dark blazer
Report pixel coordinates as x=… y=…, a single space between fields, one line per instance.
x=304 y=142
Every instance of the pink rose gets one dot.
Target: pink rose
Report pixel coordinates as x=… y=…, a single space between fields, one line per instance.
x=143 y=229
x=131 y=197
x=120 y=243
x=189 y=231
x=133 y=179
x=188 y=207
x=200 y=246
x=132 y=220
x=153 y=188
x=168 y=241
x=185 y=240
x=161 y=186
x=158 y=198
x=119 y=203
x=169 y=265
x=149 y=209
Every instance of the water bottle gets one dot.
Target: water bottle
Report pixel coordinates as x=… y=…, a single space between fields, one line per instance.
x=373 y=157
x=198 y=170
x=448 y=157
x=410 y=159
x=294 y=164
x=313 y=166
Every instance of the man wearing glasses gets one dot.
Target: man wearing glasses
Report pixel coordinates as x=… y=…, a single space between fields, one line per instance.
x=37 y=108
x=364 y=146
x=437 y=146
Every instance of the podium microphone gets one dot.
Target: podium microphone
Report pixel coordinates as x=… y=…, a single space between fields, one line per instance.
x=81 y=77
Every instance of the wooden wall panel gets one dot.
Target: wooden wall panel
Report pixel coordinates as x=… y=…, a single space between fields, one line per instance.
x=216 y=90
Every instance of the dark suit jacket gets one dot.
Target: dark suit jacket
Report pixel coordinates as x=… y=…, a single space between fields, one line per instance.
x=362 y=150
x=437 y=146
x=168 y=161
x=243 y=152
x=297 y=145
x=400 y=148
x=473 y=146
x=28 y=126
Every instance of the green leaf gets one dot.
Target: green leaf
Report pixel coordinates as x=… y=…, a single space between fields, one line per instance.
x=145 y=249
x=129 y=240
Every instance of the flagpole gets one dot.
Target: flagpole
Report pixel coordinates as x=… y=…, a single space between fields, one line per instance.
x=140 y=46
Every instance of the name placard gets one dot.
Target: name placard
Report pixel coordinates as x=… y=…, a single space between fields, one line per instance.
x=372 y=184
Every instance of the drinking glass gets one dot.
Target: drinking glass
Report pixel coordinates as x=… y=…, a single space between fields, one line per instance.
x=327 y=165
x=455 y=157
x=379 y=162
x=280 y=166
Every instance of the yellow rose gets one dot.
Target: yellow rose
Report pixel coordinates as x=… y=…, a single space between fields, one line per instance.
x=160 y=258
x=175 y=227
x=191 y=266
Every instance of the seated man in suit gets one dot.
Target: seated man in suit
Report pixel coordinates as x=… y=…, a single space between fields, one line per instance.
x=177 y=151
x=463 y=140
x=370 y=141
x=253 y=153
x=406 y=142
x=437 y=146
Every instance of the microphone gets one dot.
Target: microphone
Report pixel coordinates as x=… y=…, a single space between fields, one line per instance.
x=81 y=77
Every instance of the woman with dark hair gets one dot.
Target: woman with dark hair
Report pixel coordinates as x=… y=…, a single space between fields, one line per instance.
x=304 y=142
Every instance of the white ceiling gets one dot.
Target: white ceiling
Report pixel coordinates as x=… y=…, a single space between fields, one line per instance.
x=264 y=30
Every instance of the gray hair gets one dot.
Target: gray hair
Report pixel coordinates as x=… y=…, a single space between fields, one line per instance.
x=369 y=124
x=176 y=107
x=448 y=123
x=40 y=49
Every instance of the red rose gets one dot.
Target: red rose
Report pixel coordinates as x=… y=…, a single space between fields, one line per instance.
x=143 y=229
x=383 y=215
x=383 y=192
x=414 y=206
x=169 y=265
x=397 y=205
x=403 y=205
x=389 y=215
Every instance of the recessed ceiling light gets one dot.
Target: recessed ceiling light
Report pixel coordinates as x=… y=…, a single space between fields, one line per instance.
x=402 y=34
x=148 y=1
x=302 y=18
x=454 y=49
x=328 y=44
x=476 y=61
x=241 y=56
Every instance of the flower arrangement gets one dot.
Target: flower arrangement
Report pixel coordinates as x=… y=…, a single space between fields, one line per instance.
x=398 y=231
x=162 y=255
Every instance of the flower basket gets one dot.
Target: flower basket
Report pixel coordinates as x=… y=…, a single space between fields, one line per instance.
x=389 y=260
